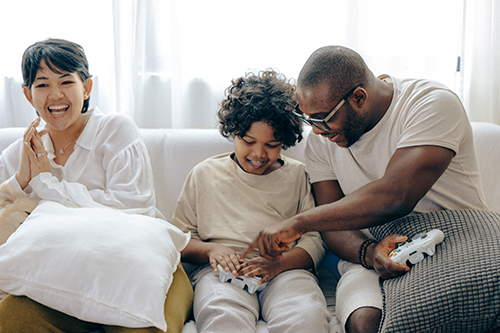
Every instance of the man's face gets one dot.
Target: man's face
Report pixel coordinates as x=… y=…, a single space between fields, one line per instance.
x=347 y=125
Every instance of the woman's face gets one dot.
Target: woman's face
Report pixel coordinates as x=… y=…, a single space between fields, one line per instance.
x=58 y=97
x=258 y=149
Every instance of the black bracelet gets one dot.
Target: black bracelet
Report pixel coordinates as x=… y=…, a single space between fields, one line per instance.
x=362 y=252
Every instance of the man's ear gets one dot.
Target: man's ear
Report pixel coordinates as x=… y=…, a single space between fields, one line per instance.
x=29 y=96
x=360 y=95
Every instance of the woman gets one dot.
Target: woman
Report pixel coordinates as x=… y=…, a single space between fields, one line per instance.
x=82 y=158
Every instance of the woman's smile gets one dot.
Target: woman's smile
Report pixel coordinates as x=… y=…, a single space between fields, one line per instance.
x=58 y=110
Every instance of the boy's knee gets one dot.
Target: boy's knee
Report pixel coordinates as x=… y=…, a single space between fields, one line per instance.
x=365 y=319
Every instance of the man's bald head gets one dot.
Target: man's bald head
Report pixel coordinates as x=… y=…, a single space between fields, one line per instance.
x=336 y=66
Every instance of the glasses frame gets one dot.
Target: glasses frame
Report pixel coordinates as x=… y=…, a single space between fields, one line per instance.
x=322 y=124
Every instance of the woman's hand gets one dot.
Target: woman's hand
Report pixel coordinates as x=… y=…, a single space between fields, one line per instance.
x=226 y=257
x=37 y=156
x=24 y=175
x=34 y=157
x=266 y=268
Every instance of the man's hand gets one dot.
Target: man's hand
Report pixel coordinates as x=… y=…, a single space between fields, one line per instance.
x=273 y=240
x=268 y=269
x=377 y=255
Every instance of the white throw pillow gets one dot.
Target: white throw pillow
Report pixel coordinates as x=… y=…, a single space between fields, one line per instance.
x=99 y=265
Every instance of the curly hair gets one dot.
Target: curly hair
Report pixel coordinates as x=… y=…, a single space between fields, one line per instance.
x=267 y=96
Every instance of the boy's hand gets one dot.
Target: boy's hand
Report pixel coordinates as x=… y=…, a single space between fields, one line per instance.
x=226 y=257
x=268 y=269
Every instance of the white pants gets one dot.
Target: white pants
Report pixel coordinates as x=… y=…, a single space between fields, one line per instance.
x=291 y=302
x=358 y=287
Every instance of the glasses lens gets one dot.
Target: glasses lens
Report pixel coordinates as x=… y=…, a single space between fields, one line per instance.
x=301 y=117
x=322 y=126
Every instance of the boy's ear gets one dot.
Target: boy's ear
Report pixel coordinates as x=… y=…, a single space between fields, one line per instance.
x=27 y=93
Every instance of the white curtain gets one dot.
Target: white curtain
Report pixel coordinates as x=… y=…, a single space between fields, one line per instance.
x=480 y=71
x=166 y=63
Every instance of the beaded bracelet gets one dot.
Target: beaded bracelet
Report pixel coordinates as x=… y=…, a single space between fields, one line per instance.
x=362 y=252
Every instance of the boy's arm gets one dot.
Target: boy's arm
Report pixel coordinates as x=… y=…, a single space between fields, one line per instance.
x=198 y=252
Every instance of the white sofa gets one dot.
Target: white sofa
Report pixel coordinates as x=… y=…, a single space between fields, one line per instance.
x=174 y=152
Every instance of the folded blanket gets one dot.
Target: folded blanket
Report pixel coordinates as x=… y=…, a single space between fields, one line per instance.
x=455 y=290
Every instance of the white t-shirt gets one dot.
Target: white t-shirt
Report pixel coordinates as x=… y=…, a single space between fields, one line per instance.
x=109 y=167
x=422 y=112
x=221 y=203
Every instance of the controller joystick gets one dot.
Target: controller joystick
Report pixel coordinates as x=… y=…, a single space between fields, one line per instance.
x=417 y=248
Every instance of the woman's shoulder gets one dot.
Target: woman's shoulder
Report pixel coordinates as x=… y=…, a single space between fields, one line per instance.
x=114 y=120
x=107 y=126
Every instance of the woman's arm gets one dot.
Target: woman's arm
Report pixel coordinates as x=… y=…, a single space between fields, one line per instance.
x=109 y=168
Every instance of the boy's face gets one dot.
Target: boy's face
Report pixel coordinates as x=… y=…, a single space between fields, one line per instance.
x=258 y=150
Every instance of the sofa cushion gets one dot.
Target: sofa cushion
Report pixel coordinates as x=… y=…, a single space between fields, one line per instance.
x=97 y=264
x=456 y=289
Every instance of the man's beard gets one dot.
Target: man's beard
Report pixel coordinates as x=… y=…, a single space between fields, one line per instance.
x=354 y=127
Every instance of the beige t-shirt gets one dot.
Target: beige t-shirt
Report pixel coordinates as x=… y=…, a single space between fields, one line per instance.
x=422 y=112
x=222 y=203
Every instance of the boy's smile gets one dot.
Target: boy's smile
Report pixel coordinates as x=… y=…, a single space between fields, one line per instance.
x=258 y=150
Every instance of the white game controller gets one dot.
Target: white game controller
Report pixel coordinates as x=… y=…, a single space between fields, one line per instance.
x=252 y=283
x=413 y=250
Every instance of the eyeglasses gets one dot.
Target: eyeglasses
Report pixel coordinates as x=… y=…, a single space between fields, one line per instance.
x=322 y=124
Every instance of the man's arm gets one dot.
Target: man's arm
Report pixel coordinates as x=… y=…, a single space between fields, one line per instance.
x=346 y=244
x=343 y=243
x=411 y=172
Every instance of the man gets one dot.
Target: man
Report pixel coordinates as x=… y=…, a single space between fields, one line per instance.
x=384 y=148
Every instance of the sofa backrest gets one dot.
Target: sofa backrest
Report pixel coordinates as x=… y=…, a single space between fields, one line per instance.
x=487 y=143
x=174 y=152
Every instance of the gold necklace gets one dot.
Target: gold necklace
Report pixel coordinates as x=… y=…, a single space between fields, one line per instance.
x=61 y=151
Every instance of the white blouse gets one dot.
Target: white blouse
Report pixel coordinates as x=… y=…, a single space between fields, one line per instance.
x=109 y=167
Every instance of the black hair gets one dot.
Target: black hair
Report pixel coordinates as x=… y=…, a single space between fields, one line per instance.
x=60 y=56
x=267 y=96
x=338 y=67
